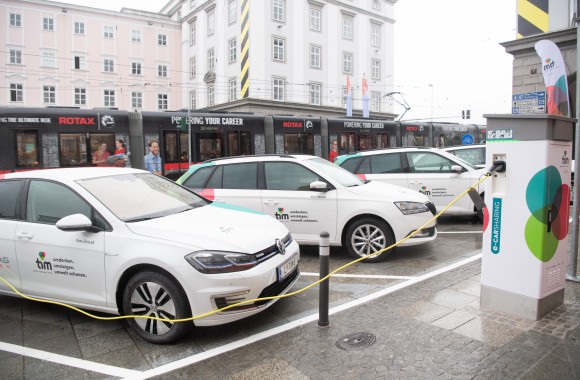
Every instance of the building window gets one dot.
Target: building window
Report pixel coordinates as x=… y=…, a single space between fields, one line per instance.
x=315 y=19
x=315 y=91
x=136 y=68
x=375 y=69
x=16 y=92
x=232 y=11
x=49 y=94
x=48 y=24
x=315 y=52
x=210 y=23
x=192 y=34
x=347 y=63
x=376 y=4
x=375 y=35
x=278 y=49
x=375 y=101
x=136 y=99
x=162 y=71
x=48 y=59
x=233 y=50
x=278 y=10
x=210 y=60
x=108 y=32
x=278 y=89
x=347 y=27
x=80 y=96
x=109 y=66
x=16 y=20
x=210 y=95
x=15 y=57
x=162 y=102
x=192 y=67
x=79 y=28
x=192 y=100
x=233 y=89
x=79 y=62
x=109 y=98
x=135 y=36
x=162 y=40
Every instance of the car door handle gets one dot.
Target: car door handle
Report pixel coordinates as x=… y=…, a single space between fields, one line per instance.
x=24 y=235
x=270 y=202
x=416 y=182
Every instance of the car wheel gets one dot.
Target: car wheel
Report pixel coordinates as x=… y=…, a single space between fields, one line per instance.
x=369 y=235
x=155 y=295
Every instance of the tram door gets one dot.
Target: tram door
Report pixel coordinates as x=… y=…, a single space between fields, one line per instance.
x=239 y=144
x=209 y=145
x=175 y=152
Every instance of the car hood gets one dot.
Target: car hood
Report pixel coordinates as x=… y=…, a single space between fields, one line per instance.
x=388 y=192
x=217 y=226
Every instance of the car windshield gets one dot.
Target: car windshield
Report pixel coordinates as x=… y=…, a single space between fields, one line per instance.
x=141 y=196
x=330 y=170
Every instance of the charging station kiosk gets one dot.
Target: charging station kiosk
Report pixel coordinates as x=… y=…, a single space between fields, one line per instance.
x=525 y=238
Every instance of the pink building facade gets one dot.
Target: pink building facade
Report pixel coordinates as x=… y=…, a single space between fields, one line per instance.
x=64 y=55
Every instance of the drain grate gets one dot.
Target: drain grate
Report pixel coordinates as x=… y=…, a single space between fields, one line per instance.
x=356 y=341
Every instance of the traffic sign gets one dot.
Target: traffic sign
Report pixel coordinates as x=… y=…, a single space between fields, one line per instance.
x=529 y=102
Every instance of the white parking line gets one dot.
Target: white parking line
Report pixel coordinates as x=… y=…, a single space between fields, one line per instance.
x=138 y=375
x=377 y=276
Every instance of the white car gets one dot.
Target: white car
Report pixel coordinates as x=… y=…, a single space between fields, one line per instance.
x=474 y=154
x=311 y=195
x=125 y=241
x=439 y=175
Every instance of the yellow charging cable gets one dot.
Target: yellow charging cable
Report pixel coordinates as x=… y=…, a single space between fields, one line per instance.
x=189 y=319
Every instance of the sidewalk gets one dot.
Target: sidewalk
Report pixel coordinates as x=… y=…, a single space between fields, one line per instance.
x=430 y=330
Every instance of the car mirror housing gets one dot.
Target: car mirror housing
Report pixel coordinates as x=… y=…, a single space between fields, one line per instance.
x=319 y=186
x=75 y=222
x=456 y=168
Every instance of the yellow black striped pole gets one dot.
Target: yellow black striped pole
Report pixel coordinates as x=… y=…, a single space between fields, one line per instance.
x=532 y=17
x=245 y=35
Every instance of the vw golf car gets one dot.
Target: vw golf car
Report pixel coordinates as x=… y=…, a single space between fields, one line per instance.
x=439 y=175
x=310 y=195
x=125 y=241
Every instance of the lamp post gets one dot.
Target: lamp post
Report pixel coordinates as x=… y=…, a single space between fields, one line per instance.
x=432 y=87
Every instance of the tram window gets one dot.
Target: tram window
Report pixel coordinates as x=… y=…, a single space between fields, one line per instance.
x=299 y=143
x=97 y=139
x=364 y=142
x=170 y=152
x=245 y=143
x=73 y=149
x=27 y=149
x=210 y=146
x=198 y=179
x=412 y=138
x=241 y=176
x=184 y=145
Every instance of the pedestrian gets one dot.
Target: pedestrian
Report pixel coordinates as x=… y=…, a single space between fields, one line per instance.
x=153 y=160
x=120 y=153
x=101 y=156
x=333 y=151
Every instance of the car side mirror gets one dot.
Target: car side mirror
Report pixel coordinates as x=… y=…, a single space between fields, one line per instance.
x=318 y=186
x=456 y=168
x=76 y=222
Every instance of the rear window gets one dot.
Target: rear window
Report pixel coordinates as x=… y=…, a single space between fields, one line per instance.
x=351 y=164
x=198 y=179
x=9 y=191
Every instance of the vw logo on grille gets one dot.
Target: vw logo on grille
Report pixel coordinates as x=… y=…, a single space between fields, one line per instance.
x=281 y=247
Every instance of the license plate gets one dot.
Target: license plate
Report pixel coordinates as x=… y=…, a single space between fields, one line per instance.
x=287 y=268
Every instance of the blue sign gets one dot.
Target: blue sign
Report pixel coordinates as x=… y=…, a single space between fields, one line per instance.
x=529 y=102
x=496 y=225
x=466 y=140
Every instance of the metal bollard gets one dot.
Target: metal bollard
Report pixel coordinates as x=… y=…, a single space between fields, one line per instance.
x=323 y=286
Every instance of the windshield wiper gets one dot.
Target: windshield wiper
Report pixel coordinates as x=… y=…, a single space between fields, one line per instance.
x=141 y=219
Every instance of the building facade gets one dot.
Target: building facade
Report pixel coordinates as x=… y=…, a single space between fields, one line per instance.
x=63 y=55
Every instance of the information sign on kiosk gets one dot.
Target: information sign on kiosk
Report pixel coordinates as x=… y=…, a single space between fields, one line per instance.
x=525 y=238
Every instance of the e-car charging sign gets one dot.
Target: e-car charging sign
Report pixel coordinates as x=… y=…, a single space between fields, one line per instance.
x=496 y=225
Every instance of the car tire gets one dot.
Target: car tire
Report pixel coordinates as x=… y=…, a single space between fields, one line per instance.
x=369 y=235
x=155 y=294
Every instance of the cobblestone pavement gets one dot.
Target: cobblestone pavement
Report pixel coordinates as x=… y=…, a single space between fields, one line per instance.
x=431 y=330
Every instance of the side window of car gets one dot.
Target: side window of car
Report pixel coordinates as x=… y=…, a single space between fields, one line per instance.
x=351 y=164
x=426 y=162
x=365 y=166
x=288 y=176
x=386 y=163
x=9 y=192
x=198 y=179
x=215 y=182
x=241 y=176
x=48 y=202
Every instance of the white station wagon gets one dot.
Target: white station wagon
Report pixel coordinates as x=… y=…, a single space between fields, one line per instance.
x=125 y=241
x=310 y=195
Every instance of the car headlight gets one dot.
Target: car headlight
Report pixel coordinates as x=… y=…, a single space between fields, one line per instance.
x=408 y=208
x=220 y=262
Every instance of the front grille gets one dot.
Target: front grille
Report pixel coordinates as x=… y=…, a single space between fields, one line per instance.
x=272 y=250
x=431 y=207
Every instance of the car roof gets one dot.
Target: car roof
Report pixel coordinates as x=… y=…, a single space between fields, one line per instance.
x=260 y=157
x=461 y=147
x=72 y=173
x=394 y=149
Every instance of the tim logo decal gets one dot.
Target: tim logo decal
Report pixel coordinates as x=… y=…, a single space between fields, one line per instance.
x=41 y=264
x=280 y=214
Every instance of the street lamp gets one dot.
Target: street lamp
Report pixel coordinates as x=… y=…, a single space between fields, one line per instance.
x=432 y=90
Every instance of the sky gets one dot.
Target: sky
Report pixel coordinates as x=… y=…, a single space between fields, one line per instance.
x=448 y=56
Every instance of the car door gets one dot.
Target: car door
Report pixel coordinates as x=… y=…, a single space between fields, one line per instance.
x=237 y=184
x=64 y=265
x=432 y=175
x=10 y=191
x=288 y=198
x=386 y=167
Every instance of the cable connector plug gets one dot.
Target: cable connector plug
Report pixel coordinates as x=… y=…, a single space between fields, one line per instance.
x=498 y=166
